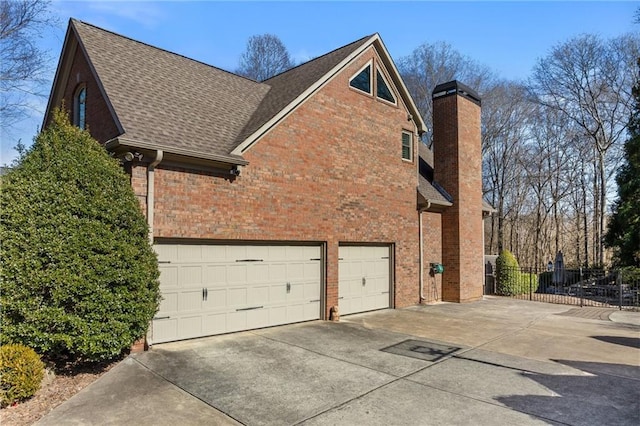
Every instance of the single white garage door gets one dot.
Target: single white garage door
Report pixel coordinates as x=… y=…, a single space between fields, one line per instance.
x=215 y=289
x=363 y=283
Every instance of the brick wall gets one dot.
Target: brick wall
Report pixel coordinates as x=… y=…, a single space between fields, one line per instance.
x=458 y=167
x=99 y=120
x=331 y=172
x=432 y=251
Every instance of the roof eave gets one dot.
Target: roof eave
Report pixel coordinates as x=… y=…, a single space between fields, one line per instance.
x=185 y=155
x=399 y=83
x=432 y=205
x=54 y=96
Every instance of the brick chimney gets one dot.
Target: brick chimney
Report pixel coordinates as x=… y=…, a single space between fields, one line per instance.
x=458 y=169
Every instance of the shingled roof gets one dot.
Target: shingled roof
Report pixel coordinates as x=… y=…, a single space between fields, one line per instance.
x=167 y=101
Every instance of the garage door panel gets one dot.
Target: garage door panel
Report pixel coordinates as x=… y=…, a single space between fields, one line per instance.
x=236 y=321
x=237 y=273
x=257 y=273
x=165 y=329
x=189 y=254
x=169 y=302
x=278 y=315
x=190 y=301
x=235 y=253
x=212 y=289
x=214 y=324
x=189 y=276
x=257 y=318
x=217 y=299
x=311 y=311
x=258 y=295
x=190 y=326
x=310 y=291
x=363 y=278
x=277 y=294
x=295 y=311
x=166 y=252
x=169 y=275
x=277 y=271
x=215 y=275
x=312 y=271
x=295 y=271
x=212 y=253
x=237 y=297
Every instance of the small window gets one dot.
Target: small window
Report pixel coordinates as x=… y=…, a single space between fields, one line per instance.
x=362 y=80
x=80 y=108
x=382 y=89
x=407 y=146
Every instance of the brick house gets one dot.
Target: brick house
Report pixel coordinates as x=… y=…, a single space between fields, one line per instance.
x=286 y=200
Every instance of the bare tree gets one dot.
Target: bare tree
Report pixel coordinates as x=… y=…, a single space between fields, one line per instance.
x=505 y=110
x=264 y=57
x=22 y=62
x=589 y=81
x=433 y=64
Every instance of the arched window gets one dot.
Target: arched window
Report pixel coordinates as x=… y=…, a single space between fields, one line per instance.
x=80 y=108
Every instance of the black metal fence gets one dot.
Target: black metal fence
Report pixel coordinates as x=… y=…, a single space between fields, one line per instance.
x=581 y=287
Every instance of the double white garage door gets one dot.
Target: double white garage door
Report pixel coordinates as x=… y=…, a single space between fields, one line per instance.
x=215 y=289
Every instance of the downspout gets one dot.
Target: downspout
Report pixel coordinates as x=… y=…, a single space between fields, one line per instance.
x=150 y=190
x=484 y=272
x=421 y=244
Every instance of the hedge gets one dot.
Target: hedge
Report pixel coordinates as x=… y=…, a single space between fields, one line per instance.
x=510 y=280
x=79 y=276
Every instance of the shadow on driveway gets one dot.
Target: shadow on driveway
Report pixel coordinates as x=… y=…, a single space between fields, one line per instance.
x=593 y=399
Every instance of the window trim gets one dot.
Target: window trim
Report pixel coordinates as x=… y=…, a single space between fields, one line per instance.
x=386 y=82
x=410 y=134
x=76 y=107
x=357 y=73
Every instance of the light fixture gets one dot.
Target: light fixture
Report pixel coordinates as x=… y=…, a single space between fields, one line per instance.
x=130 y=156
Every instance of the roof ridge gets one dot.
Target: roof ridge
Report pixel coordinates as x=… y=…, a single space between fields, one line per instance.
x=75 y=21
x=319 y=57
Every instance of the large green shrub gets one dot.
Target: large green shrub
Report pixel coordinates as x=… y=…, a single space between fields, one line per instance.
x=507 y=273
x=79 y=277
x=21 y=372
x=510 y=280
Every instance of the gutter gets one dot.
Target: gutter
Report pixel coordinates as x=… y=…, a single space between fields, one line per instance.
x=131 y=143
x=151 y=190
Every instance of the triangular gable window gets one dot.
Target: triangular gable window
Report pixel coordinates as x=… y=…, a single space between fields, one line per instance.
x=382 y=89
x=362 y=80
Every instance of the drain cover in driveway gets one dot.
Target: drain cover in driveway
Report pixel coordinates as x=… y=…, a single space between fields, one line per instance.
x=427 y=351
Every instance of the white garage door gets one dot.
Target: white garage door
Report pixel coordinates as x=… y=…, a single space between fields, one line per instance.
x=363 y=283
x=215 y=289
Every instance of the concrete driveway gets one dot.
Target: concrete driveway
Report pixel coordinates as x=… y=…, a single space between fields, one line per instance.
x=498 y=361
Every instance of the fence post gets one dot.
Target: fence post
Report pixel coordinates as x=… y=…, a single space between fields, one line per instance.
x=530 y=286
x=581 y=286
x=619 y=282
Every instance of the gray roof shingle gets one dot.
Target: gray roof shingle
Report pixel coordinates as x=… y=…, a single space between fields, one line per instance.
x=168 y=99
x=174 y=102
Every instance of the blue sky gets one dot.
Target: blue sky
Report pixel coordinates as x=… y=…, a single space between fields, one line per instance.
x=506 y=36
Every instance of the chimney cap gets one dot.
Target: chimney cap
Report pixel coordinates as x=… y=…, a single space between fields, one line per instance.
x=454 y=87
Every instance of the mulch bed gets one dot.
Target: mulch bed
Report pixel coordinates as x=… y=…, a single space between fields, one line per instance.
x=56 y=388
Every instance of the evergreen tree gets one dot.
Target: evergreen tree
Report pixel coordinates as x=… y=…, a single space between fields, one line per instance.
x=79 y=277
x=624 y=227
